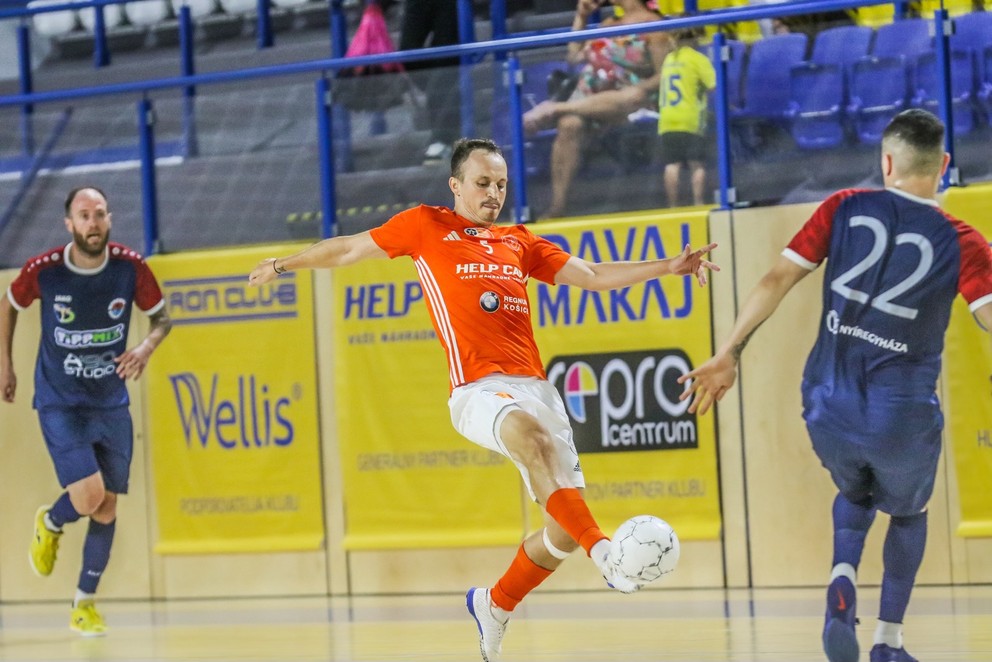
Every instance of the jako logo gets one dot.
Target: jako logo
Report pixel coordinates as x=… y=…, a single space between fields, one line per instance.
x=628 y=401
x=253 y=418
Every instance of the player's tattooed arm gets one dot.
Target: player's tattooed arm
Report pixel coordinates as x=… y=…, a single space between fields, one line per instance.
x=738 y=349
x=132 y=363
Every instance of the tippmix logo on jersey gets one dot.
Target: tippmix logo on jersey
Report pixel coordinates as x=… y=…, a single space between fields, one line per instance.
x=116 y=308
x=485 y=233
x=63 y=313
x=489 y=302
x=627 y=401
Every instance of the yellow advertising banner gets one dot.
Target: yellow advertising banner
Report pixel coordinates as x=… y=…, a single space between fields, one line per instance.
x=232 y=397
x=967 y=366
x=615 y=358
x=411 y=481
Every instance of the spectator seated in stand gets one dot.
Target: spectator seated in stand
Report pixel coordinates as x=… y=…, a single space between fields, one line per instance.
x=617 y=77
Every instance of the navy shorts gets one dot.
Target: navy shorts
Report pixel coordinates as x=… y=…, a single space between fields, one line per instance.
x=84 y=441
x=897 y=478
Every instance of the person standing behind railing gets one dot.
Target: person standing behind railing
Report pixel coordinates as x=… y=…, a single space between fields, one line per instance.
x=430 y=23
x=687 y=77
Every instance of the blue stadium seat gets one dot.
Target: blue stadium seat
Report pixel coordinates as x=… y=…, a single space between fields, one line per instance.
x=909 y=37
x=972 y=31
x=841 y=45
x=766 y=81
x=816 y=108
x=927 y=83
x=985 y=82
x=879 y=91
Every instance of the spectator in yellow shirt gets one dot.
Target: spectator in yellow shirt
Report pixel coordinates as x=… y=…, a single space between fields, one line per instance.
x=687 y=76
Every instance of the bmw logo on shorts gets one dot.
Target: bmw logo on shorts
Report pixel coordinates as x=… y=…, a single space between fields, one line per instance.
x=489 y=302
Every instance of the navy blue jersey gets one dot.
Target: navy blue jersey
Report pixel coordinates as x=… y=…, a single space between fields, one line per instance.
x=895 y=262
x=85 y=315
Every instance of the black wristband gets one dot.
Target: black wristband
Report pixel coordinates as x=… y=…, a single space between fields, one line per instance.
x=277 y=269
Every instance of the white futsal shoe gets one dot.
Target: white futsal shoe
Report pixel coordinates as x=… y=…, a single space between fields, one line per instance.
x=490 y=619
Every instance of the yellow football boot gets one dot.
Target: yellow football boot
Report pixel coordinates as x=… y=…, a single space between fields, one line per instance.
x=86 y=620
x=44 y=545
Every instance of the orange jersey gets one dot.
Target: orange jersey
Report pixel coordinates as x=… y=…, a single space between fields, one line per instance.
x=475 y=285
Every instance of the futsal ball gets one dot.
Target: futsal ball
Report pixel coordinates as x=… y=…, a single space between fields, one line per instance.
x=645 y=548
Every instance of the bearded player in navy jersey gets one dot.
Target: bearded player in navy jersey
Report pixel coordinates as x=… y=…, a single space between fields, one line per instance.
x=894 y=263
x=86 y=289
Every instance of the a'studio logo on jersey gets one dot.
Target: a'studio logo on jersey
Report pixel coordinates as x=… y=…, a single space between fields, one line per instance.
x=627 y=401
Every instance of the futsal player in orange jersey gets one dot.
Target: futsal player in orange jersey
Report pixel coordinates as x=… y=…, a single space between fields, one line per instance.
x=474 y=275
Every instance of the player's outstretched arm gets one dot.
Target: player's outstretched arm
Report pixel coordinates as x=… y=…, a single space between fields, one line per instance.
x=613 y=275
x=329 y=253
x=710 y=381
x=132 y=363
x=8 y=378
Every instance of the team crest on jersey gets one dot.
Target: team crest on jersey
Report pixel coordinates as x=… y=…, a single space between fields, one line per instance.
x=64 y=313
x=479 y=232
x=512 y=243
x=489 y=302
x=116 y=308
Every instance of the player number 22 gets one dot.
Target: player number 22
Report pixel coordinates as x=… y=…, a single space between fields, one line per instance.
x=883 y=301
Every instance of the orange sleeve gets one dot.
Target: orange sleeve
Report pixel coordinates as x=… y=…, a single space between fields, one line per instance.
x=543 y=259
x=401 y=234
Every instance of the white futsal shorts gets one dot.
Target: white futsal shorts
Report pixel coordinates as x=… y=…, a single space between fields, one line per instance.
x=478 y=410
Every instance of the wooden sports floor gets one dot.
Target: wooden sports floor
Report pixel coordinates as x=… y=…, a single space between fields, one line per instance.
x=945 y=624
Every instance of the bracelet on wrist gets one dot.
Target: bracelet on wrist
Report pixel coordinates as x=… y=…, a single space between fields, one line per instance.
x=277 y=269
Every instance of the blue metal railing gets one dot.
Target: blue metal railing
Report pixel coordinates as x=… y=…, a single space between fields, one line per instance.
x=503 y=44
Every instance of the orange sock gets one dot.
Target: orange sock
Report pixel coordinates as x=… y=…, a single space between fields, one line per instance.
x=520 y=578
x=569 y=509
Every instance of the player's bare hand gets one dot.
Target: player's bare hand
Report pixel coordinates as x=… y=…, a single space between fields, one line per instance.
x=8 y=385
x=132 y=363
x=264 y=273
x=692 y=262
x=708 y=383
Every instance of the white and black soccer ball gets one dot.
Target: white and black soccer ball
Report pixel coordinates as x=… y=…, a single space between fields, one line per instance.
x=644 y=548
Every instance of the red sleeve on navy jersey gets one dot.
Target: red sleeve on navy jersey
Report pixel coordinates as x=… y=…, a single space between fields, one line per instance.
x=812 y=242
x=400 y=235
x=147 y=294
x=975 y=279
x=25 y=289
